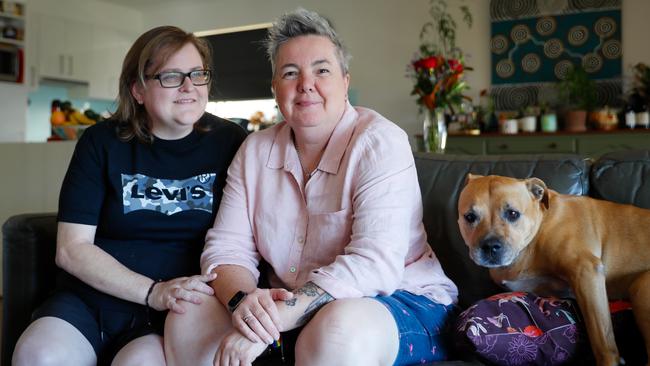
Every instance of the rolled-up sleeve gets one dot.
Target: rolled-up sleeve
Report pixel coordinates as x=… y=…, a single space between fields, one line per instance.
x=385 y=199
x=230 y=240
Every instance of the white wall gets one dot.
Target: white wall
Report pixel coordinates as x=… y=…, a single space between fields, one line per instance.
x=635 y=16
x=13 y=107
x=382 y=36
x=31 y=178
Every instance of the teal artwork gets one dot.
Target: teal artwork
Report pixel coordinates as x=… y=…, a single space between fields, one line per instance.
x=535 y=42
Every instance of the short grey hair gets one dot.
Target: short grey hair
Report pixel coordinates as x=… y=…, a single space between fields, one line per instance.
x=302 y=22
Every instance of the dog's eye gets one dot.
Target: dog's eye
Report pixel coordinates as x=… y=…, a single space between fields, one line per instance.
x=512 y=215
x=471 y=217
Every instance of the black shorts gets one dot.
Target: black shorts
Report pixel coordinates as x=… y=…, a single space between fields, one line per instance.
x=108 y=323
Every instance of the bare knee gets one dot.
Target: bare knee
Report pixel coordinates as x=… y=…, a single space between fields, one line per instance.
x=27 y=355
x=325 y=339
x=352 y=332
x=143 y=351
x=331 y=327
x=192 y=337
x=37 y=345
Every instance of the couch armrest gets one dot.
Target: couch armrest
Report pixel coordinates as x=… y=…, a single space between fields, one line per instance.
x=29 y=272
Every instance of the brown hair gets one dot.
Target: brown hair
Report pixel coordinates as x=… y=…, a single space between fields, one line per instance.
x=145 y=57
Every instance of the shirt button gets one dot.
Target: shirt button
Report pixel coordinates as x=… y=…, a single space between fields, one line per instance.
x=292 y=269
x=301 y=239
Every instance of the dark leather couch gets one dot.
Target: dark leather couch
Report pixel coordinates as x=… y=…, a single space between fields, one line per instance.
x=29 y=240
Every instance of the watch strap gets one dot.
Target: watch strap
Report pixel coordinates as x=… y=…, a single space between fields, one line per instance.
x=235 y=300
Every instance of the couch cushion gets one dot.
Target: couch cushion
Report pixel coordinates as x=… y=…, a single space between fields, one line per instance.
x=441 y=179
x=621 y=176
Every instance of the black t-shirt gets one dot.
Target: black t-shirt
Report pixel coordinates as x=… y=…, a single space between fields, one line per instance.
x=151 y=203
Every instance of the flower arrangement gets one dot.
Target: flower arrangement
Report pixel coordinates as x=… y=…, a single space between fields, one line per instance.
x=438 y=67
x=439 y=82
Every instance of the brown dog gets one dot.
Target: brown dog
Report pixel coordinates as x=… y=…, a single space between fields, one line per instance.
x=535 y=239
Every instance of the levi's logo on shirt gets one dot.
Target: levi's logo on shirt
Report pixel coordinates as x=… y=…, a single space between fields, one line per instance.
x=167 y=196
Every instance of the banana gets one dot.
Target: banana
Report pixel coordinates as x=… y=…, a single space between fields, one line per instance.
x=80 y=118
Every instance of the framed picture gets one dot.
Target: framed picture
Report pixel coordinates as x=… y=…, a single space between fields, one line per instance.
x=534 y=43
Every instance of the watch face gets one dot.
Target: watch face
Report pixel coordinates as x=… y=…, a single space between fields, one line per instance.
x=235 y=300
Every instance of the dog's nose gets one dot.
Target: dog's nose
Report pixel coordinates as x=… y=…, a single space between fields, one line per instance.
x=491 y=247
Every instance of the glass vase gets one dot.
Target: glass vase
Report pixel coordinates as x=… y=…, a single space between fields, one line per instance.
x=435 y=131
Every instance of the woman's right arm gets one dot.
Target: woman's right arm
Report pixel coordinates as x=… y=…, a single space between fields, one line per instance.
x=86 y=182
x=77 y=255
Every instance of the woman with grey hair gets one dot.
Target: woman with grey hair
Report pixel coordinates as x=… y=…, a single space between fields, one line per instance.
x=329 y=198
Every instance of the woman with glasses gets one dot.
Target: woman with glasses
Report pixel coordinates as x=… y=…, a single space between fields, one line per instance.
x=140 y=192
x=329 y=198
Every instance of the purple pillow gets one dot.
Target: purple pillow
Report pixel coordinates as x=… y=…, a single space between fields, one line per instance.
x=518 y=328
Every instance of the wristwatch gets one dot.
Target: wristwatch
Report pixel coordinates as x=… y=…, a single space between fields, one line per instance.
x=235 y=300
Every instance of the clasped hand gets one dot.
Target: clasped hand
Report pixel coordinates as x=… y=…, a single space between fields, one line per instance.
x=257 y=317
x=235 y=349
x=168 y=294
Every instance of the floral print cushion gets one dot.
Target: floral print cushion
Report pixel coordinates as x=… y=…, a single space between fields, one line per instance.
x=519 y=328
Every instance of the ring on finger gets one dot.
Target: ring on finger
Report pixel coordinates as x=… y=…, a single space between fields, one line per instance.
x=247 y=318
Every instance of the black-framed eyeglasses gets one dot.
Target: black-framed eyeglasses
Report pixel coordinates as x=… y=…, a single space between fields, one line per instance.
x=174 y=79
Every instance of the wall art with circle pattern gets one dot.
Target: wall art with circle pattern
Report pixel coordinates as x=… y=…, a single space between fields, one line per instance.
x=535 y=42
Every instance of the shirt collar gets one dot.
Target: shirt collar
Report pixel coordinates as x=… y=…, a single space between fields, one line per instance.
x=283 y=152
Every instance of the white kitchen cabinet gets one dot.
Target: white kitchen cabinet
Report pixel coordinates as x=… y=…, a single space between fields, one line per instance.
x=109 y=48
x=64 y=47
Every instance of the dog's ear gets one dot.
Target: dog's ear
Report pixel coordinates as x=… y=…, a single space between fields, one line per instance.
x=538 y=189
x=471 y=177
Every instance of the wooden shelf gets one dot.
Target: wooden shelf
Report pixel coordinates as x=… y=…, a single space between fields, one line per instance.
x=12 y=16
x=589 y=143
x=16 y=42
x=551 y=134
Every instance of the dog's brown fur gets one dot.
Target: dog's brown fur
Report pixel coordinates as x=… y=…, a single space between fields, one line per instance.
x=535 y=239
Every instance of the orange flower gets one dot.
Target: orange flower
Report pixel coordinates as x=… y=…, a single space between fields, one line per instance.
x=533 y=331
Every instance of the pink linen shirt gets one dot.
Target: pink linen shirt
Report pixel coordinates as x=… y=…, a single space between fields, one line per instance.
x=354 y=228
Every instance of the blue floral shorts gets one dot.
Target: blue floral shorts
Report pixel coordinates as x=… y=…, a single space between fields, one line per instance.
x=423 y=326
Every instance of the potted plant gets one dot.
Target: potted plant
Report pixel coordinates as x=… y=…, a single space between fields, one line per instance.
x=528 y=119
x=437 y=71
x=578 y=92
x=548 y=119
x=642 y=81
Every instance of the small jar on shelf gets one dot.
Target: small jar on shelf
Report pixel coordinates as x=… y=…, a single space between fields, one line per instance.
x=643 y=116
x=629 y=116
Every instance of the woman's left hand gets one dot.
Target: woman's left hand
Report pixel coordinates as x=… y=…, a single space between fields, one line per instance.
x=257 y=316
x=237 y=350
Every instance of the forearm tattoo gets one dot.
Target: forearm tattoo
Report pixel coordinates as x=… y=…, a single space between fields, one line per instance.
x=321 y=297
